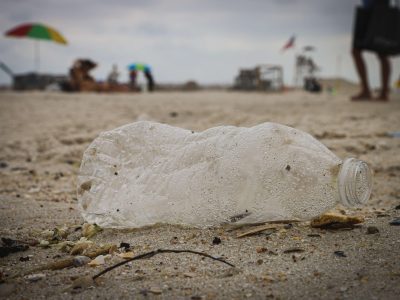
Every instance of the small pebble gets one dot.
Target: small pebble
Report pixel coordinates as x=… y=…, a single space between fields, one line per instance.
x=314 y=235
x=372 y=230
x=44 y=244
x=80 y=260
x=261 y=249
x=340 y=254
x=397 y=207
x=155 y=290
x=99 y=260
x=26 y=258
x=288 y=226
x=124 y=245
x=83 y=282
x=127 y=255
x=395 y=222
x=216 y=241
x=189 y=274
x=35 y=277
x=293 y=250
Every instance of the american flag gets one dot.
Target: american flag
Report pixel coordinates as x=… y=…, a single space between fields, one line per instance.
x=290 y=43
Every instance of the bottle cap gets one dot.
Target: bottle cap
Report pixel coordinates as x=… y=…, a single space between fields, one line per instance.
x=355 y=182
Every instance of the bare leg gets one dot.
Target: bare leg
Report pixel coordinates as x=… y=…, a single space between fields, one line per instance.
x=385 y=76
x=365 y=93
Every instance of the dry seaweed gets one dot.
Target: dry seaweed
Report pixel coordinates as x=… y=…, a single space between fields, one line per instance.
x=156 y=252
x=336 y=221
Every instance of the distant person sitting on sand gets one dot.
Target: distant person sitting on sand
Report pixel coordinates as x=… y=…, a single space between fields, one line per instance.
x=80 y=78
x=359 y=33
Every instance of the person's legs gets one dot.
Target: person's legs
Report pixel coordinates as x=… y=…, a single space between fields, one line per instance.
x=385 y=76
x=365 y=93
x=132 y=77
x=150 y=81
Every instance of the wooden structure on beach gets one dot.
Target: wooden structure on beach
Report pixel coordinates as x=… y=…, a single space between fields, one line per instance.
x=32 y=80
x=261 y=78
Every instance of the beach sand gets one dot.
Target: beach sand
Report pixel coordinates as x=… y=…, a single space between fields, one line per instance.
x=43 y=136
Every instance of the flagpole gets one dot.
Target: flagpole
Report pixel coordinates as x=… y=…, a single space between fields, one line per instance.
x=292 y=44
x=338 y=70
x=295 y=69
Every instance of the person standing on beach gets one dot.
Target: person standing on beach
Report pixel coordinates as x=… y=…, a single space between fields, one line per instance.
x=365 y=93
x=112 y=78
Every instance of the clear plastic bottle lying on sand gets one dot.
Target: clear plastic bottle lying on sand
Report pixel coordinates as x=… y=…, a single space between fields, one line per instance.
x=146 y=173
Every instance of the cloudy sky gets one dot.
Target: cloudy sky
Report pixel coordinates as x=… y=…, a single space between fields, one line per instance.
x=203 y=40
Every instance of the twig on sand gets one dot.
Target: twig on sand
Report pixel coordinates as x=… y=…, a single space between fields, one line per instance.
x=256 y=230
x=266 y=226
x=236 y=226
x=159 y=251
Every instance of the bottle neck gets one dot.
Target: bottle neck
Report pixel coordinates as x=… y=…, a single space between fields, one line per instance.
x=355 y=182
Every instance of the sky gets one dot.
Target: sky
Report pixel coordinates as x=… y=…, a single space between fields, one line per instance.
x=202 y=40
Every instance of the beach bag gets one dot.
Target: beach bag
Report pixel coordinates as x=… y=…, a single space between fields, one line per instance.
x=377 y=29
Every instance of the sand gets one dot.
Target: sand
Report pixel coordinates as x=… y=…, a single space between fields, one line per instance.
x=43 y=136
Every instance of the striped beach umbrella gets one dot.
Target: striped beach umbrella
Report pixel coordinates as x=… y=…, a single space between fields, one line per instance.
x=38 y=32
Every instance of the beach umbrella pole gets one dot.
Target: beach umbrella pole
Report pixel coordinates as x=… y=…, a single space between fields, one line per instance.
x=37 y=56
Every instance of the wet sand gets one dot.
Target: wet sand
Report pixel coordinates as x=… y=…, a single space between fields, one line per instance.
x=43 y=136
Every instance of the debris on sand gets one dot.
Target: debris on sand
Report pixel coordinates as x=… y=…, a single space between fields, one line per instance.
x=340 y=254
x=80 y=260
x=395 y=222
x=99 y=260
x=157 y=252
x=82 y=282
x=216 y=241
x=65 y=246
x=126 y=255
x=90 y=230
x=261 y=249
x=124 y=245
x=293 y=250
x=44 y=244
x=336 y=221
x=257 y=230
x=189 y=274
x=155 y=290
x=79 y=247
x=56 y=235
x=372 y=230
x=11 y=246
x=91 y=252
x=35 y=277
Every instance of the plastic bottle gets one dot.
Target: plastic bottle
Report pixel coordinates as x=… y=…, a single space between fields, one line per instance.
x=146 y=173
